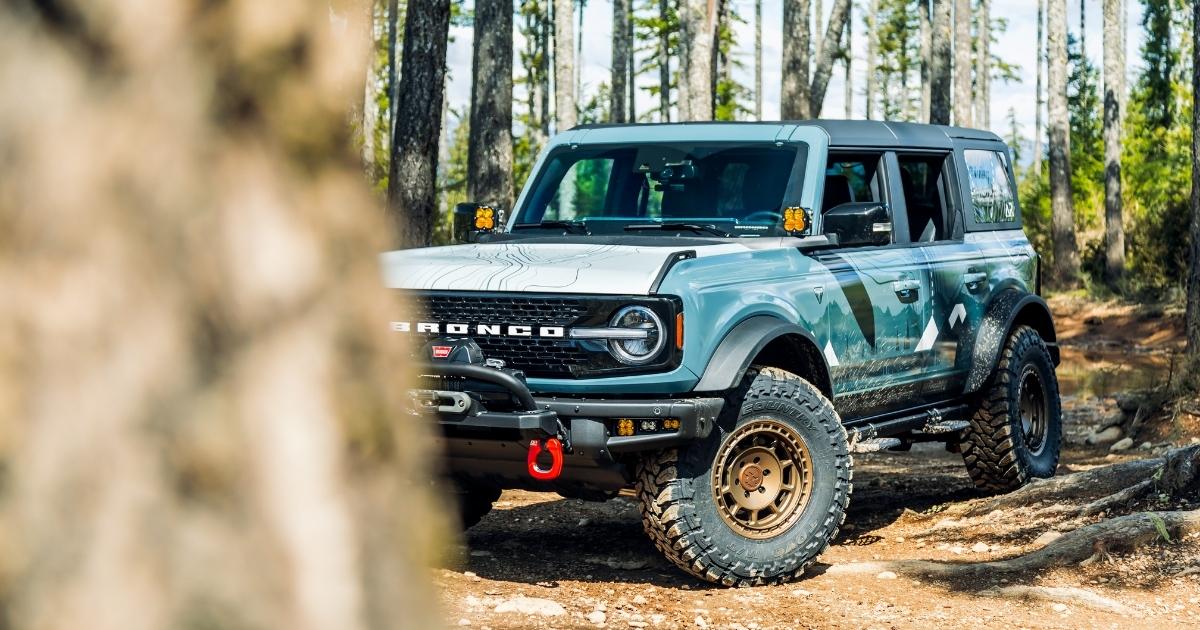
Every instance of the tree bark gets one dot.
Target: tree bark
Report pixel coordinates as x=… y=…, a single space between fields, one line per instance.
x=848 y=60
x=963 y=103
x=698 y=27
x=818 y=32
x=926 y=58
x=1064 y=269
x=758 y=61
x=1193 y=302
x=489 y=151
x=872 y=54
x=983 y=67
x=794 y=101
x=618 y=84
x=829 y=48
x=1038 y=125
x=631 y=112
x=664 y=63
x=940 y=68
x=412 y=174
x=1114 y=70
x=564 y=65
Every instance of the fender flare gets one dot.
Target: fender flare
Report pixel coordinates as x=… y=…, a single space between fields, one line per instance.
x=1004 y=312
x=742 y=344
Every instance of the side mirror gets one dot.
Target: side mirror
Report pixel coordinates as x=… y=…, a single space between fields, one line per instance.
x=863 y=223
x=472 y=219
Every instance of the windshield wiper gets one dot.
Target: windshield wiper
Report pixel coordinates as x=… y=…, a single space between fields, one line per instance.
x=675 y=227
x=577 y=226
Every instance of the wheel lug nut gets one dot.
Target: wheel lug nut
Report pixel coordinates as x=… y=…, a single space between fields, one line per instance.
x=762 y=489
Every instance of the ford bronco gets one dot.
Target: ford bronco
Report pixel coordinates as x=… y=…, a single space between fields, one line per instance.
x=718 y=315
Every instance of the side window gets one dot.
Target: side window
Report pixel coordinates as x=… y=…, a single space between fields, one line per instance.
x=851 y=178
x=991 y=190
x=923 y=178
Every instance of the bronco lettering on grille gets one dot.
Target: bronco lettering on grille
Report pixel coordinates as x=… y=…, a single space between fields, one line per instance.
x=482 y=330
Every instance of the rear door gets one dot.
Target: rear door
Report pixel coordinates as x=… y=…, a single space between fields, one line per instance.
x=954 y=269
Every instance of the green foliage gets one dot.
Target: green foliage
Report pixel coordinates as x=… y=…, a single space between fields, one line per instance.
x=899 y=34
x=452 y=188
x=728 y=96
x=1087 y=138
x=649 y=26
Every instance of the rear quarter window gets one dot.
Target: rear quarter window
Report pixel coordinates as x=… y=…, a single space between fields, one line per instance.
x=993 y=200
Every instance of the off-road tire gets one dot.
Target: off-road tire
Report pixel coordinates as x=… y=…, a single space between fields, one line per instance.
x=679 y=511
x=995 y=448
x=474 y=502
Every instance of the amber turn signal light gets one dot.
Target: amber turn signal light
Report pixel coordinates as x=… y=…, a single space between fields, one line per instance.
x=796 y=220
x=485 y=218
x=679 y=331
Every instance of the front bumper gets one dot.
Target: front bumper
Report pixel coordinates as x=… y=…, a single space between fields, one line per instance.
x=489 y=443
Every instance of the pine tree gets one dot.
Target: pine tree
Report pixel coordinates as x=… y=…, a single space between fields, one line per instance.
x=1114 y=85
x=1064 y=270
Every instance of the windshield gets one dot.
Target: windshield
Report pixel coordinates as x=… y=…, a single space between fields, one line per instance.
x=716 y=189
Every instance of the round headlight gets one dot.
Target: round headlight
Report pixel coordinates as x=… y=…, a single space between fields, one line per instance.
x=643 y=348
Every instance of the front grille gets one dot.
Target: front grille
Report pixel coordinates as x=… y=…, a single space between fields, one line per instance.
x=537 y=357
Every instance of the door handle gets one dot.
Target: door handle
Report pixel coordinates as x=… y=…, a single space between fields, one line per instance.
x=907 y=290
x=975 y=281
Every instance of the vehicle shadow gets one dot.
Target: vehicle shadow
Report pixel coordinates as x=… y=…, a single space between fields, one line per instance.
x=568 y=539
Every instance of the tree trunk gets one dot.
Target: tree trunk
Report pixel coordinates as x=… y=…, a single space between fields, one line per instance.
x=393 y=84
x=631 y=112
x=579 y=50
x=983 y=67
x=370 y=111
x=758 y=61
x=872 y=54
x=1064 y=270
x=818 y=32
x=489 y=152
x=618 y=83
x=1114 y=233
x=545 y=30
x=698 y=26
x=830 y=44
x=940 y=66
x=412 y=174
x=1038 y=125
x=848 y=60
x=926 y=58
x=564 y=65
x=1193 y=302
x=794 y=91
x=664 y=63
x=962 y=63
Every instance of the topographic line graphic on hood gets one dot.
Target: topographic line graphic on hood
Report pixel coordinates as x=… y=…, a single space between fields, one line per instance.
x=541 y=267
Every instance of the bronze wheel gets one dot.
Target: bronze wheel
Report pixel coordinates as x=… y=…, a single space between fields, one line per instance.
x=762 y=478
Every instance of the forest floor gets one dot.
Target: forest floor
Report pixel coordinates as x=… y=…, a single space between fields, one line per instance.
x=539 y=560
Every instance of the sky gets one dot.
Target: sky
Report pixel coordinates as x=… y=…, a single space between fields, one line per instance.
x=1017 y=46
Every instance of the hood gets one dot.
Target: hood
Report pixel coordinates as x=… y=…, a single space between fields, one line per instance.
x=537 y=267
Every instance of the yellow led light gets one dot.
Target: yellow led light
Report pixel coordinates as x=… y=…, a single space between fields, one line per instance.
x=624 y=426
x=795 y=220
x=671 y=423
x=485 y=218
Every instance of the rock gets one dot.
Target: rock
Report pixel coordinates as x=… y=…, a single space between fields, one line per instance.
x=957 y=550
x=799 y=592
x=597 y=617
x=1047 y=537
x=1108 y=435
x=700 y=622
x=1059 y=607
x=1129 y=402
x=464 y=622
x=531 y=606
x=640 y=600
x=981 y=548
x=584 y=522
x=638 y=624
x=887 y=575
x=1123 y=444
x=1145 y=446
x=657 y=618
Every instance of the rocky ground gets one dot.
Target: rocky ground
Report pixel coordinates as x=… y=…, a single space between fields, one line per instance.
x=542 y=561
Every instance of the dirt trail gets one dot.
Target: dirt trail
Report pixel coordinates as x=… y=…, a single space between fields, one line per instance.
x=594 y=567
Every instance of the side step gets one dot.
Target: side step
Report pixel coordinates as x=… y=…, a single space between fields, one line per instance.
x=874 y=446
x=946 y=426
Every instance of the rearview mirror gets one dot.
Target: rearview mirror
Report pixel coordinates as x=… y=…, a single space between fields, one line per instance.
x=472 y=219
x=861 y=223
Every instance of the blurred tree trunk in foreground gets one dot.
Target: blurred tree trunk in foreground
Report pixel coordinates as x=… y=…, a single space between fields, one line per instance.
x=199 y=416
x=412 y=173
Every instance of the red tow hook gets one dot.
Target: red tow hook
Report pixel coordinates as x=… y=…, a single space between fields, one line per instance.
x=554 y=447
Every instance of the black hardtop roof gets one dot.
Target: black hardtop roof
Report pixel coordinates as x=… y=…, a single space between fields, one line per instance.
x=857 y=133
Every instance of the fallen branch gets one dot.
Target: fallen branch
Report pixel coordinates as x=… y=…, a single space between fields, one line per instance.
x=1063 y=595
